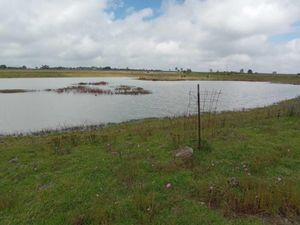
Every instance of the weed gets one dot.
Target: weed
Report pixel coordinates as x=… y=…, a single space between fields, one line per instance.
x=4 y=203
x=103 y=212
x=127 y=172
x=81 y=220
x=251 y=197
x=145 y=207
x=93 y=138
x=59 y=146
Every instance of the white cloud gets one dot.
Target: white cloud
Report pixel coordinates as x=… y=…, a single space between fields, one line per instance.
x=197 y=34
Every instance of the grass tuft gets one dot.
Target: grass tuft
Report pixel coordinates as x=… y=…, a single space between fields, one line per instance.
x=252 y=197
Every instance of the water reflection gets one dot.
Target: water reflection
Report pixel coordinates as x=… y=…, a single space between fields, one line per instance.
x=35 y=111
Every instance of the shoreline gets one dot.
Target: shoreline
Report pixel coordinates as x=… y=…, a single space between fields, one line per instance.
x=96 y=127
x=155 y=76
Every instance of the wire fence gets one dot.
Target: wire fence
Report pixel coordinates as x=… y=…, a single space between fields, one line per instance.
x=203 y=120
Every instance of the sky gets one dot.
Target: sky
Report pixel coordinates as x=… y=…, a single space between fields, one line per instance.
x=262 y=35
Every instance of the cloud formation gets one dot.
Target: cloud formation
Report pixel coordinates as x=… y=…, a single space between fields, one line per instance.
x=197 y=34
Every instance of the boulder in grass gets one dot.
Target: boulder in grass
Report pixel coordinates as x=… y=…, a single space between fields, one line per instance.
x=184 y=153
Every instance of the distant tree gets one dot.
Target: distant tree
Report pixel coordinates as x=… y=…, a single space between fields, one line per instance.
x=211 y=70
x=107 y=68
x=3 y=67
x=188 y=70
x=274 y=73
x=176 y=68
x=45 y=67
x=250 y=71
x=242 y=71
x=24 y=67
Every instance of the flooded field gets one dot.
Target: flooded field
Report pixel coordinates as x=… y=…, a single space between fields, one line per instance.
x=36 y=104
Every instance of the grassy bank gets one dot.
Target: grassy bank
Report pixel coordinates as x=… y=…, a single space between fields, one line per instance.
x=247 y=172
x=280 y=78
x=63 y=73
x=155 y=76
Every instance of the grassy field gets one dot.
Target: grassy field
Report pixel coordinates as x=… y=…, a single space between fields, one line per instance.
x=280 y=78
x=247 y=172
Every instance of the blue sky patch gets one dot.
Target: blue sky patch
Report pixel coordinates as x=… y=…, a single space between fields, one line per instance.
x=281 y=38
x=122 y=8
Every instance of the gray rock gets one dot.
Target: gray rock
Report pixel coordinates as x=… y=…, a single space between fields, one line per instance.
x=185 y=152
x=45 y=186
x=14 y=160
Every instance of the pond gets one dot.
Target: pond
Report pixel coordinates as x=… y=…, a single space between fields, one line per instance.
x=28 y=111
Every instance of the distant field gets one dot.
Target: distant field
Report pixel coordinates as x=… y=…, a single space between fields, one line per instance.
x=155 y=76
x=65 y=73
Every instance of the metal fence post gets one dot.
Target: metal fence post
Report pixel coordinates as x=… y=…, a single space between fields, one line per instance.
x=199 y=118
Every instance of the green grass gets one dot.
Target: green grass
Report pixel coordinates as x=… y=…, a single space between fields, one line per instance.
x=117 y=175
x=29 y=73
x=143 y=75
x=226 y=76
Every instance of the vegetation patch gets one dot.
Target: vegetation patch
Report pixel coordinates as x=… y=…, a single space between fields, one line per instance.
x=81 y=90
x=13 y=91
x=252 y=196
x=4 y=203
x=120 y=90
x=130 y=90
x=100 y=83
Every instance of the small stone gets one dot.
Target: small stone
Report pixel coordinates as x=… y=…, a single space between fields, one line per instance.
x=14 y=160
x=46 y=186
x=168 y=185
x=185 y=152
